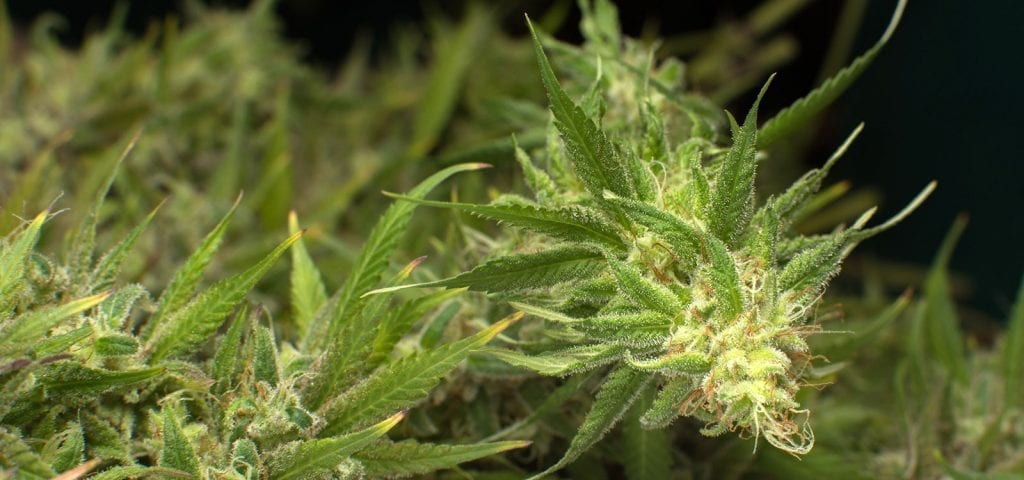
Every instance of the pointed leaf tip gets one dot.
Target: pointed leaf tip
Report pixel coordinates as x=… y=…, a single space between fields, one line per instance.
x=902 y=214
x=764 y=88
x=416 y=262
x=393 y=420
x=504 y=323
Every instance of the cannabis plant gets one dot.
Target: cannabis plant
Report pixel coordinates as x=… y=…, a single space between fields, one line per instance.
x=97 y=376
x=647 y=255
x=674 y=299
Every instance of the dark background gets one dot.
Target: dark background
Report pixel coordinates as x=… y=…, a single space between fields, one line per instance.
x=943 y=101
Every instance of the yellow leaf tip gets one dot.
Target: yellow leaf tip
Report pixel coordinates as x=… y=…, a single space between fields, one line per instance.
x=411 y=266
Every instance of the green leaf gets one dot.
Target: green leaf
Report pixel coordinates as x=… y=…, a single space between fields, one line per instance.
x=597 y=164
x=408 y=457
x=542 y=186
x=691 y=363
x=629 y=329
x=226 y=360
x=645 y=292
x=183 y=285
x=373 y=258
x=859 y=234
x=17 y=455
x=308 y=292
x=544 y=313
x=225 y=178
x=732 y=199
x=724 y=280
x=264 y=356
x=766 y=248
x=403 y=383
x=809 y=270
x=942 y=326
x=665 y=406
x=61 y=343
x=109 y=265
x=65 y=450
x=617 y=394
x=571 y=223
x=559 y=363
x=789 y=203
x=116 y=344
x=102 y=440
x=1013 y=353
x=84 y=240
x=177 y=452
x=803 y=110
x=655 y=147
x=766 y=242
x=520 y=272
x=71 y=377
x=12 y=261
x=701 y=193
x=21 y=334
x=347 y=354
x=245 y=459
x=115 y=309
x=305 y=458
x=646 y=454
x=198 y=320
x=645 y=185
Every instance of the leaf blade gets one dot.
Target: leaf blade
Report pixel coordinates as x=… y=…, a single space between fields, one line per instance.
x=310 y=456
x=21 y=334
x=571 y=223
x=307 y=287
x=804 y=109
x=183 y=285
x=617 y=394
x=204 y=315
x=732 y=198
x=646 y=454
x=13 y=258
x=593 y=155
x=402 y=383
x=518 y=272
x=408 y=457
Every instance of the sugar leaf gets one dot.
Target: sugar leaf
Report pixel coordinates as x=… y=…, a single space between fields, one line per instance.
x=803 y=110
x=594 y=157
